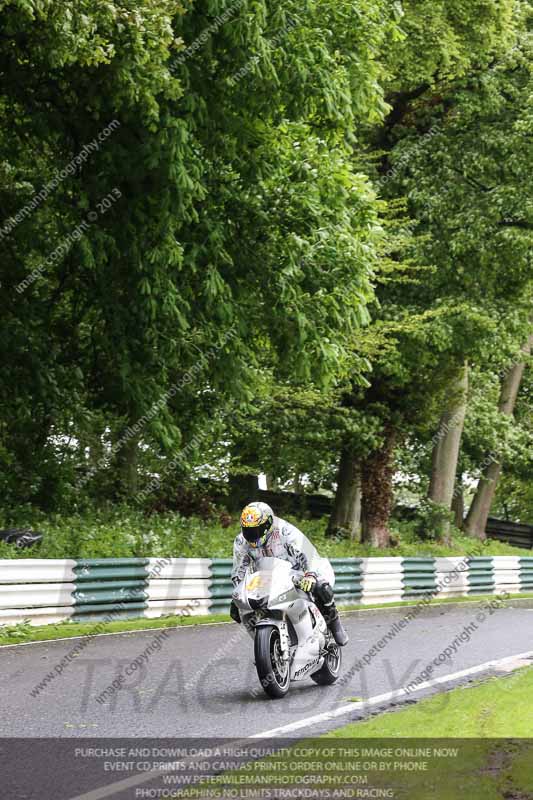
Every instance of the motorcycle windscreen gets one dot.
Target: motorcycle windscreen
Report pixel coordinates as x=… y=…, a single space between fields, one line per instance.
x=272 y=577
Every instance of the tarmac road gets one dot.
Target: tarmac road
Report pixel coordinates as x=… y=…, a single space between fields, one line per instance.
x=202 y=681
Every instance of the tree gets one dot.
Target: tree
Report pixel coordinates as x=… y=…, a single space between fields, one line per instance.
x=234 y=207
x=459 y=155
x=441 y=43
x=476 y=520
x=447 y=448
x=345 y=517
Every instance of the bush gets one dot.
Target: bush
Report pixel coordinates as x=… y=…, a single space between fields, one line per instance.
x=432 y=520
x=120 y=531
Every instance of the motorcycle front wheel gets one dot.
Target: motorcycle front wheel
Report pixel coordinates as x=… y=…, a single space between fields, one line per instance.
x=272 y=669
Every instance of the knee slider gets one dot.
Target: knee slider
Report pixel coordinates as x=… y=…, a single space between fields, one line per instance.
x=234 y=612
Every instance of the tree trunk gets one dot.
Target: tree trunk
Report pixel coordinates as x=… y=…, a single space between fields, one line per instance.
x=345 y=517
x=376 y=484
x=355 y=531
x=478 y=513
x=447 y=445
x=458 y=503
x=127 y=462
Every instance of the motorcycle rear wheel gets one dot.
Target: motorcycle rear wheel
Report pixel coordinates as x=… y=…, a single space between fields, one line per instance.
x=273 y=672
x=330 y=669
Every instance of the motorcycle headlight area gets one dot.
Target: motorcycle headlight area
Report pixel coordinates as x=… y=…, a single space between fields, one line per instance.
x=258 y=605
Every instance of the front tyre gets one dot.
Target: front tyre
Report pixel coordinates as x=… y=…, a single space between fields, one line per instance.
x=273 y=671
x=330 y=669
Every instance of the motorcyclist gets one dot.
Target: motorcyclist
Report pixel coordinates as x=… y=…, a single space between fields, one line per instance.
x=263 y=534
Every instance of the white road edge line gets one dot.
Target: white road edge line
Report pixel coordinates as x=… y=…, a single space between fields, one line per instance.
x=512 y=662
x=507 y=664
x=228 y=622
x=114 y=633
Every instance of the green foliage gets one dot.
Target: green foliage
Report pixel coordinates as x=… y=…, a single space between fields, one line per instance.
x=237 y=208
x=124 y=532
x=453 y=150
x=514 y=498
x=316 y=211
x=21 y=632
x=296 y=431
x=443 y=39
x=430 y=520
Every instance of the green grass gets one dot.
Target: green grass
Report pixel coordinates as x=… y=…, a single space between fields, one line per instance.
x=499 y=707
x=483 y=723
x=481 y=770
x=24 y=632
x=440 y=601
x=121 y=532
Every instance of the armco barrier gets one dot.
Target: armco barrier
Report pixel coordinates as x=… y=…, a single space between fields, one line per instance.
x=515 y=533
x=48 y=590
x=178 y=586
x=105 y=585
x=480 y=575
x=37 y=589
x=526 y=574
x=451 y=576
x=381 y=580
x=221 y=586
x=419 y=576
x=348 y=581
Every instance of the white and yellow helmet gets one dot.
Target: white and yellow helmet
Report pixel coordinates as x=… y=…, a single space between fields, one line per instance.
x=257 y=523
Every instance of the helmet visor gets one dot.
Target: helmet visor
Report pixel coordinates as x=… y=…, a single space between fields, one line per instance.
x=254 y=534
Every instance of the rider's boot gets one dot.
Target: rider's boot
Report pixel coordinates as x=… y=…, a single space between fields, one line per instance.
x=325 y=599
x=336 y=627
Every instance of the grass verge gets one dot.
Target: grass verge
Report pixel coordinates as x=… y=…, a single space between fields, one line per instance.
x=498 y=707
x=469 y=742
x=24 y=632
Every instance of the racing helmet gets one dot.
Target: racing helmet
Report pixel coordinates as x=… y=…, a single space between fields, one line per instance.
x=257 y=523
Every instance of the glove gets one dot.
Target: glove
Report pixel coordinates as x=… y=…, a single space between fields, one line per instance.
x=307 y=583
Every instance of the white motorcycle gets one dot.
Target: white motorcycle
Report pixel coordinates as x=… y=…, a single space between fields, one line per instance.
x=291 y=638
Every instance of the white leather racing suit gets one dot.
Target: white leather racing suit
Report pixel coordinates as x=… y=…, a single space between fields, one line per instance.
x=285 y=542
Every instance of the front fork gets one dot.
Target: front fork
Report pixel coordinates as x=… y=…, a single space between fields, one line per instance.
x=281 y=625
x=284 y=639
